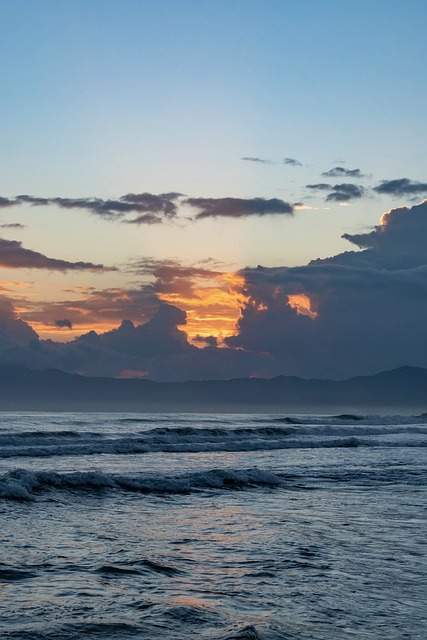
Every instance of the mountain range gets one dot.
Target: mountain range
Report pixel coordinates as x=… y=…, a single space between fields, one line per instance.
x=403 y=388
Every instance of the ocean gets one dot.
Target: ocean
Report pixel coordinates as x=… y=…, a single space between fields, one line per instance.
x=179 y=526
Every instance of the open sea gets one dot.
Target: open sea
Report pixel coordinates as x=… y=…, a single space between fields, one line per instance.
x=179 y=526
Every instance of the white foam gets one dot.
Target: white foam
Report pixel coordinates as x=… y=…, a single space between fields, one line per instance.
x=22 y=484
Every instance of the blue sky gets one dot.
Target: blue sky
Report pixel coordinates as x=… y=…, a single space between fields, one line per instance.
x=103 y=98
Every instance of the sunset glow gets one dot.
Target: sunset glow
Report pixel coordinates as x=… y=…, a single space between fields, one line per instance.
x=213 y=308
x=64 y=334
x=301 y=303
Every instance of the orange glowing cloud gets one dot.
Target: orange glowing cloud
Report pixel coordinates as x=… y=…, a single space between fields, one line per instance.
x=48 y=331
x=213 y=307
x=301 y=303
x=212 y=300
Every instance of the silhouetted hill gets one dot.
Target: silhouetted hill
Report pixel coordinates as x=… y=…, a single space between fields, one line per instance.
x=25 y=389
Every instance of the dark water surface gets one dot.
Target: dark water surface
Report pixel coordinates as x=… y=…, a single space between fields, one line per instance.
x=212 y=526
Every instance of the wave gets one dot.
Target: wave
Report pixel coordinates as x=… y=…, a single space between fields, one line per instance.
x=11 y=574
x=137 y=568
x=26 y=485
x=22 y=484
x=196 y=440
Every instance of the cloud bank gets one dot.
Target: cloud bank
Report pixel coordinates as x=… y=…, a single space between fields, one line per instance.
x=354 y=313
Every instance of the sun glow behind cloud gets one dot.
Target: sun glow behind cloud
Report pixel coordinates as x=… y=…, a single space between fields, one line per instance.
x=302 y=304
x=213 y=307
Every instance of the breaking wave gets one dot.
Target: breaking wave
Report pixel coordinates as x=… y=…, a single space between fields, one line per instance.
x=26 y=485
x=22 y=484
x=190 y=439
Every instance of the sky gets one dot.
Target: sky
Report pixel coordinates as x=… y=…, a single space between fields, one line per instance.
x=154 y=154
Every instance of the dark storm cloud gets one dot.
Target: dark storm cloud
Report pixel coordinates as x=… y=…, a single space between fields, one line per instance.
x=292 y=162
x=401 y=187
x=342 y=172
x=364 y=300
x=238 y=207
x=158 y=348
x=400 y=241
x=14 y=256
x=339 y=192
x=64 y=323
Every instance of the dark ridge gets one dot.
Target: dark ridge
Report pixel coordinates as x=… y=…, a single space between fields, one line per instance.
x=51 y=390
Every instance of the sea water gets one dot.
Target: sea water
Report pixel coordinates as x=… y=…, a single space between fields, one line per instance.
x=179 y=526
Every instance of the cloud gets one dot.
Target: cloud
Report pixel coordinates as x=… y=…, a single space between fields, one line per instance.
x=154 y=209
x=14 y=256
x=320 y=186
x=158 y=348
x=401 y=187
x=354 y=313
x=14 y=332
x=255 y=159
x=95 y=308
x=339 y=192
x=209 y=294
x=148 y=205
x=346 y=192
x=292 y=162
x=238 y=207
x=65 y=323
x=342 y=172
x=12 y=225
x=359 y=304
x=145 y=218
x=399 y=241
